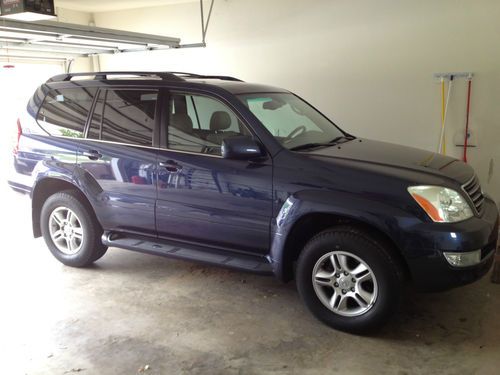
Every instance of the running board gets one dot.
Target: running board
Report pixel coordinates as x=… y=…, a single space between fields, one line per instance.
x=255 y=264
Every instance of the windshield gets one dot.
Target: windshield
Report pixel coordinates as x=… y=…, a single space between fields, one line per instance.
x=293 y=122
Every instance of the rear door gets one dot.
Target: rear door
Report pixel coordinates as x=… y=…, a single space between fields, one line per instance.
x=201 y=196
x=119 y=161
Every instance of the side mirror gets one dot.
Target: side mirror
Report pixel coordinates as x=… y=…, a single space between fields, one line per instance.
x=241 y=148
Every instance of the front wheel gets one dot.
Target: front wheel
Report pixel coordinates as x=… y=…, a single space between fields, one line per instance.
x=71 y=230
x=349 y=280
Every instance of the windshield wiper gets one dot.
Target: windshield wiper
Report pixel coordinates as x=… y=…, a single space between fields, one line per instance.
x=306 y=146
x=347 y=137
x=309 y=145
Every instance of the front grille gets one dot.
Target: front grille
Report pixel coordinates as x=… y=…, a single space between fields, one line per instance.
x=473 y=190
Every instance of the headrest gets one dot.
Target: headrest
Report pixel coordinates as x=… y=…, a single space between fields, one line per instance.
x=220 y=120
x=182 y=121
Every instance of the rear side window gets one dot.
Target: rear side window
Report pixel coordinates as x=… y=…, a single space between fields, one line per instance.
x=124 y=116
x=64 y=112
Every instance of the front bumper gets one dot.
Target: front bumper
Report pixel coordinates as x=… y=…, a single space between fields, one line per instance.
x=424 y=253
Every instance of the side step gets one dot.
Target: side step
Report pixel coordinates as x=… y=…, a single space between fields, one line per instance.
x=255 y=264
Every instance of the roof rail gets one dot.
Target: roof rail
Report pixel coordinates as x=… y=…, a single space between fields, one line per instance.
x=201 y=76
x=104 y=75
x=167 y=76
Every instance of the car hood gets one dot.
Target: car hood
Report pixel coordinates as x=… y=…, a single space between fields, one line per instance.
x=393 y=155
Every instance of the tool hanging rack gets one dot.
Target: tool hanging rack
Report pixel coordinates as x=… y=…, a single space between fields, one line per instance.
x=445 y=99
x=449 y=75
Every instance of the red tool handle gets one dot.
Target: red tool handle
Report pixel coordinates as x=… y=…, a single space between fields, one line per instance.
x=467 y=120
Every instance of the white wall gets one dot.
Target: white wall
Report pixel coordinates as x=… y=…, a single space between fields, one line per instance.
x=73 y=16
x=367 y=64
x=76 y=17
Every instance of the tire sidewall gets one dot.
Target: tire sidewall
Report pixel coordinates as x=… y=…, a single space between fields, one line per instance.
x=385 y=271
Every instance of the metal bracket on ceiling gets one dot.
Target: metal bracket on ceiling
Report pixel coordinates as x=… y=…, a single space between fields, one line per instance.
x=204 y=26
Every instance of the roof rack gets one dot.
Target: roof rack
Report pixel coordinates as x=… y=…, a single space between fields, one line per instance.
x=105 y=75
x=167 y=76
x=202 y=76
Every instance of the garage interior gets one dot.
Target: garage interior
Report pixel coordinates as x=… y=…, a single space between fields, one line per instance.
x=374 y=68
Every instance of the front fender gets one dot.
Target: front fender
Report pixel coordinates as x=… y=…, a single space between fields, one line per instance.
x=368 y=210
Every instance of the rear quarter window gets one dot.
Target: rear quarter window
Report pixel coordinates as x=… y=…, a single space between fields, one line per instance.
x=64 y=112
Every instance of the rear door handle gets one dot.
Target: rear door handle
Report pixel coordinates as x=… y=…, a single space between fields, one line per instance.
x=92 y=154
x=171 y=166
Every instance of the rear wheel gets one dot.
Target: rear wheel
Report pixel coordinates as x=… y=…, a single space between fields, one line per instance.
x=349 y=280
x=71 y=230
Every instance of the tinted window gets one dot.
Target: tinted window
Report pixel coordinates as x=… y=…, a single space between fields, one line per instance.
x=65 y=111
x=199 y=124
x=125 y=116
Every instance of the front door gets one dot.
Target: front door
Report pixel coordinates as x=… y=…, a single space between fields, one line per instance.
x=203 y=198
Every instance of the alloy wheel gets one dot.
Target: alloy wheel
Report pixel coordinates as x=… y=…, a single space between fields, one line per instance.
x=344 y=283
x=66 y=230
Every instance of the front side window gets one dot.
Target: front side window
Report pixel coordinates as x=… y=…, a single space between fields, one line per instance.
x=124 y=116
x=290 y=120
x=200 y=124
x=64 y=112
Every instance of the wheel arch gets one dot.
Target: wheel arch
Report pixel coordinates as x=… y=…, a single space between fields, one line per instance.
x=46 y=187
x=312 y=223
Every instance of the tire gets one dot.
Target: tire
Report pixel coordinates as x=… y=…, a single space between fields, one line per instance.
x=74 y=239
x=346 y=302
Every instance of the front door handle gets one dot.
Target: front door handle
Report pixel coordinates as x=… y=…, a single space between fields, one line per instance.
x=92 y=154
x=171 y=166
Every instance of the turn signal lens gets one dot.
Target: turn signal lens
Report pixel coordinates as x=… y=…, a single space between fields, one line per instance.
x=468 y=259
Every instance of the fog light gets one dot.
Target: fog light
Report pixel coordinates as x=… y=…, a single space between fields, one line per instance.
x=470 y=258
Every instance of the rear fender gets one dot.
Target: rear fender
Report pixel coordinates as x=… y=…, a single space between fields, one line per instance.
x=53 y=176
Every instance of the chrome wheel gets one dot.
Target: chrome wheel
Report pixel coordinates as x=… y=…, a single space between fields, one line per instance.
x=66 y=230
x=344 y=283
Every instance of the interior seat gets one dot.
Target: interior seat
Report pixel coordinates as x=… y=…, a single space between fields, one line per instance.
x=183 y=122
x=219 y=123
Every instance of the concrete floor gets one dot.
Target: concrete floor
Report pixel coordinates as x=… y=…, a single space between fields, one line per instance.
x=133 y=310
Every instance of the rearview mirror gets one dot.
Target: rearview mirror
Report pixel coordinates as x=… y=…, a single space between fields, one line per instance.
x=273 y=104
x=241 y=148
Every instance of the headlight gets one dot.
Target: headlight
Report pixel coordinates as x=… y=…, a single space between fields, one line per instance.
x=443 y=205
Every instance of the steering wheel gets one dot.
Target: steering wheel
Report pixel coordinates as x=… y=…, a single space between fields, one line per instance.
x=295 y=132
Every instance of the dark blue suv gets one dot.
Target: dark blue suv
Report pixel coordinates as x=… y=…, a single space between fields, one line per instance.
x=213 y=169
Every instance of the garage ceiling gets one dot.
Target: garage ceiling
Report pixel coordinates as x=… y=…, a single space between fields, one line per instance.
x=109 y=5
x=60 y=41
